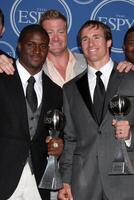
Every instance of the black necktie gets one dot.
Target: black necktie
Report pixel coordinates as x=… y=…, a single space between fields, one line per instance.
x=31 y=94
x=99 y=96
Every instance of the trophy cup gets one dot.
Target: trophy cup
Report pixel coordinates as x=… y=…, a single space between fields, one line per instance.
x=121 y=165
x=51 y=178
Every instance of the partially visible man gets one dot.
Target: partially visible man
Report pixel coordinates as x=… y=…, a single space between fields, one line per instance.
x=128 y=45
x=2 y=27
x=2 y=30
x=61 y=64
x=92 y=138
x=23 y=151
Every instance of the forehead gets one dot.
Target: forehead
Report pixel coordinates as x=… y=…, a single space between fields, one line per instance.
x=92 y=30
x=35 y=36
x=130 y=36
x=54 y=23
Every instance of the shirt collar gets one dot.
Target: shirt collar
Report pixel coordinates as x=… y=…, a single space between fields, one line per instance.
x=52 y=72
x=25 y=75
x=106 y=70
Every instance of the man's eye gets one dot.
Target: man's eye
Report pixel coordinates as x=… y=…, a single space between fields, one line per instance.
x=30 y=45
x=49 y=32
x=62 y=32
x=84 y=39
x=97 y=37
x=131 y=43
x=44 y=46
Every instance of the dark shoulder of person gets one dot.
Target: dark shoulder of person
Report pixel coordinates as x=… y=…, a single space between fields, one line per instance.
x=54 y=90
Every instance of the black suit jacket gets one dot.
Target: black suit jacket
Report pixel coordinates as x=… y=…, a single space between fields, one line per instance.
x=15 y=141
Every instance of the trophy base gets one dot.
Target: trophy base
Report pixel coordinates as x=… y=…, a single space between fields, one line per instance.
x=51 y=178
x=119 y=168
x=51 y=184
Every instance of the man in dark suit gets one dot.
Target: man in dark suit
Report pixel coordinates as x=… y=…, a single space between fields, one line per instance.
x=23 y=150
x=91 y=139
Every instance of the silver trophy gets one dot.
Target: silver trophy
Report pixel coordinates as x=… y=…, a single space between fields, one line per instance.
x=121 y=165
x=51 y=178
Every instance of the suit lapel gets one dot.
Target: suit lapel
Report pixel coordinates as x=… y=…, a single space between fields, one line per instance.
x=82 y=85
x=112 y=89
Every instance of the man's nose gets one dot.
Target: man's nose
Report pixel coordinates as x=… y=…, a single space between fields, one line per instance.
x=37 y=49
x=55 y=37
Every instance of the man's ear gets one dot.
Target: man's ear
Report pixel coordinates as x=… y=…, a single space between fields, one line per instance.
x=109 y=43
x=2 y=31
x=19 y=47
x=123 y=47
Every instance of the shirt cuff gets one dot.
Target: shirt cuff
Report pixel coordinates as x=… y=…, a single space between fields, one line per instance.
x=128 y=142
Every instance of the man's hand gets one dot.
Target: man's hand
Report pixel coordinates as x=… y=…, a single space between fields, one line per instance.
x=122 y=129
x=6 y=65
x=65 y=193
x=55 y=146
x=125 y=66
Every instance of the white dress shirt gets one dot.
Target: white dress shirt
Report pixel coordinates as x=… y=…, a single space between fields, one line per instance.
x=106 y=72
x=24 y=76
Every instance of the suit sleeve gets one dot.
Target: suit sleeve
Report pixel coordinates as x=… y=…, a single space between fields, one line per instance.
x=70 y=142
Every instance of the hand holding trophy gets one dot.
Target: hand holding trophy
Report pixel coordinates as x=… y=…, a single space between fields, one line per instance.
x=121 y=165
x=51 y=178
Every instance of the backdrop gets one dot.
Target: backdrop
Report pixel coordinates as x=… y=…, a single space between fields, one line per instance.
x=118 y=14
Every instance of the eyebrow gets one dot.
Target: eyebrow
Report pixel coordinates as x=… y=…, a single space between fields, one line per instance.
x=93 y=36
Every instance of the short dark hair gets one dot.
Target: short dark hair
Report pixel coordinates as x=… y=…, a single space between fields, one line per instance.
x=30 y=29
x=97 y=24
x=52 y=14
x=130 y=30
x=1 y=18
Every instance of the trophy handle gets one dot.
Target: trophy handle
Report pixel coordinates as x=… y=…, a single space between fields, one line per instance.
x=54 y=133
x=51 y=178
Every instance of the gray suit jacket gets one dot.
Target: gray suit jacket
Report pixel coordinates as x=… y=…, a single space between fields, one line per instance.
x=90 y=148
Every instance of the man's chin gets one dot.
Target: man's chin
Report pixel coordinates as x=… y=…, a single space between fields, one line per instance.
x=36 y=66
x=56 y=52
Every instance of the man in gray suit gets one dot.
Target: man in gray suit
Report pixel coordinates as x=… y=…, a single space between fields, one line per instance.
x=90 y=144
